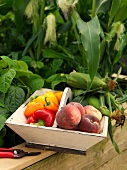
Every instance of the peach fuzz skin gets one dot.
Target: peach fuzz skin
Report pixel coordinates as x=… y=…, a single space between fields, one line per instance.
x=93 y=111
x=90 y=124
x=68 y=117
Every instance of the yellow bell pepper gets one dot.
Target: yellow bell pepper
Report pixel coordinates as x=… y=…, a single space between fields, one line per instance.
x=40 y=99
x=50 y=96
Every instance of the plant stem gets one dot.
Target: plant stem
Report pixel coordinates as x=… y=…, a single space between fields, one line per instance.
x=31 y=54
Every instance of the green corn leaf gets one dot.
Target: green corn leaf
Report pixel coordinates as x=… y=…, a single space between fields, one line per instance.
x=90 y=39
x=19 y=9
x=111 y=137
x=102 y=6
x=114 y=8
x=121 y=14
x=122 y=43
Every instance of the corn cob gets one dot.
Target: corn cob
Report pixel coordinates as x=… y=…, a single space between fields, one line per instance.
x=94 y=101
x=82 y=81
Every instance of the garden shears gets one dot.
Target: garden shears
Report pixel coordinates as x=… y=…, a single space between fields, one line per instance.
x=15 y=153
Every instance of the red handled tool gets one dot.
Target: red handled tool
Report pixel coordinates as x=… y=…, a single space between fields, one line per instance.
x=15 y=153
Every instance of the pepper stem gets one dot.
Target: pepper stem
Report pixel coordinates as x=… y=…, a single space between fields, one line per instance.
x=47 y=102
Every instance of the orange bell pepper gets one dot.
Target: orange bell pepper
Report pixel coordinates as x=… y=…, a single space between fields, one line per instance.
x=58 y=95
x=30 y=109
x=51 y=106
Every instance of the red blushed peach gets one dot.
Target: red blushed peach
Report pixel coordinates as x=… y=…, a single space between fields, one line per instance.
x=68 y=117
x=93 y=111
x=89 y=123
x=79 y=106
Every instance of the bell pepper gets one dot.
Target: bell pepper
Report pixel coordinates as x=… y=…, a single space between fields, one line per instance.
x=31 y=120
x=50 y=96
x=39 y=99
x=30 y=109
x=46 y=115
x=58 y=95
x=51 y=106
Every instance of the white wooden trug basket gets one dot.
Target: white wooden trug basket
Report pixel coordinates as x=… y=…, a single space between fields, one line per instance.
x=54 y=137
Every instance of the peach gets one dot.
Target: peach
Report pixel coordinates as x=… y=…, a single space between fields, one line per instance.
x=90 y=124
x=79 y=106
x=93 y=111
x=68 y=117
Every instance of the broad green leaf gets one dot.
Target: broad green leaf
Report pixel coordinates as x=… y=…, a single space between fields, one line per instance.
x=34 y=82
x=55 y=66
x=26 y=59
x=14 y=98
x=114 y=8
x=3 y=64
x=121 y=14
x=20 y=67
x=15 y=64
x=9 y=61
x=2 y=121
x=4 y=112
x=2 y=98
x=6 y=80
x=37 y=64
x=90 y=38
x=56 y=79
x=22 y=72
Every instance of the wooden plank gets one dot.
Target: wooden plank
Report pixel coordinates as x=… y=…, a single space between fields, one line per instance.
x=18 y=164
x=95 y=157
x=117 y=163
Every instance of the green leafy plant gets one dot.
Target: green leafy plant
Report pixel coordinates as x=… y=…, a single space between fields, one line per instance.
x=17 y=83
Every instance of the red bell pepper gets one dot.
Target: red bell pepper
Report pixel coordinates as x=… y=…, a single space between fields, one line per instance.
x=31 y=120
x=46 y=115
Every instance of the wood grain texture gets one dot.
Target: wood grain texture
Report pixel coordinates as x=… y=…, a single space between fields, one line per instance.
x=102 y=156
x=117 y=163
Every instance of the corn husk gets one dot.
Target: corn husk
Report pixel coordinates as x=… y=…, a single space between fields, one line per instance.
x=66 y=5
x=51 y=29
x=32 y=8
